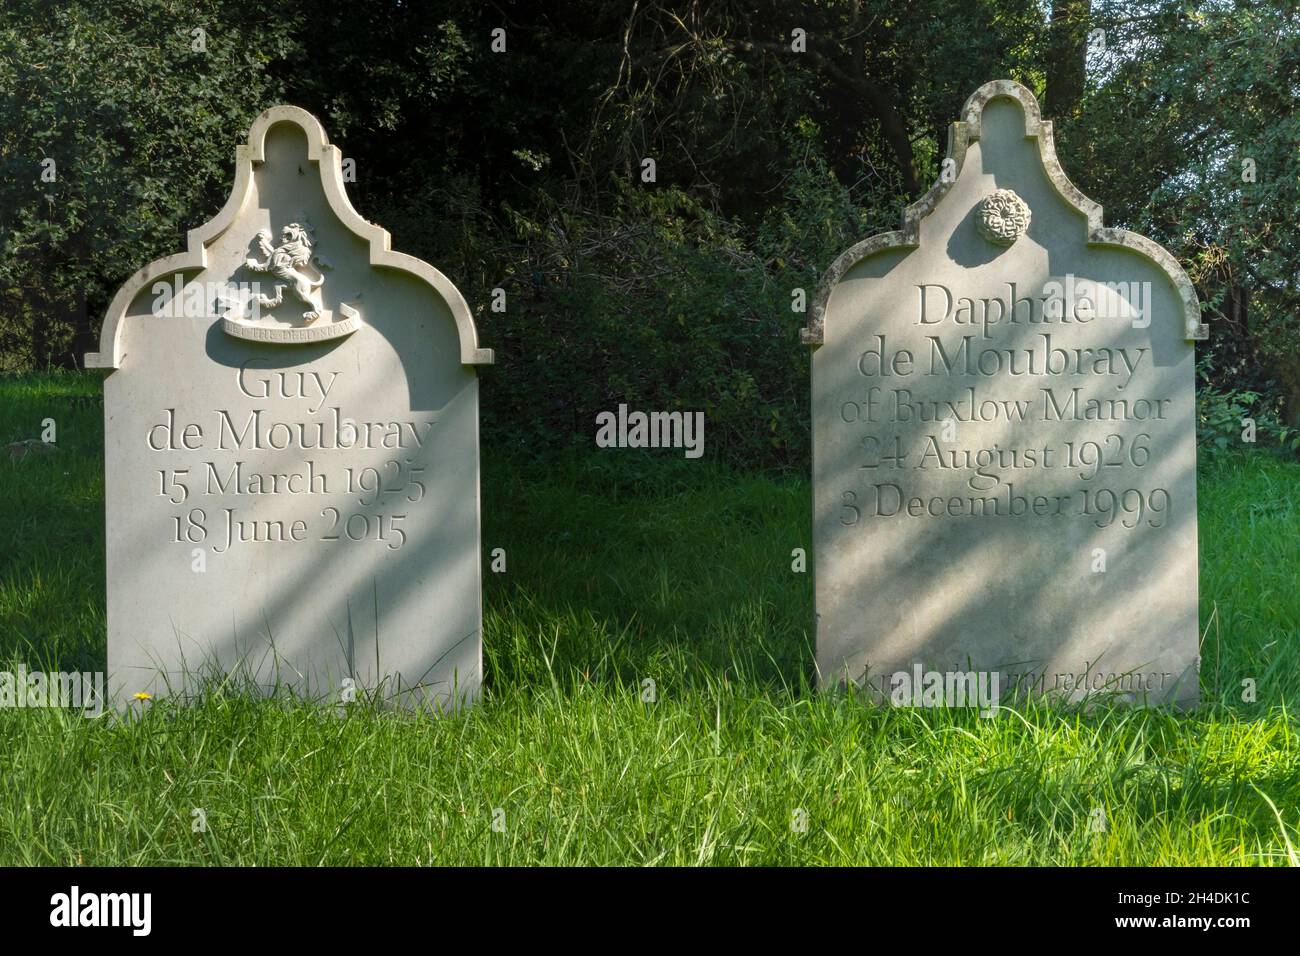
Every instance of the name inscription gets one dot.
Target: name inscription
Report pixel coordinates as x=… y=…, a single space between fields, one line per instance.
x=361 y=474
x=902 y=434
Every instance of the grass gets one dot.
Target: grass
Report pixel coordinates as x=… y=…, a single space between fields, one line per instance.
x=619 y=571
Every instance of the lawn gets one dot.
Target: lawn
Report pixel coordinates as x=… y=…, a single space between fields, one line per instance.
x=623 y=570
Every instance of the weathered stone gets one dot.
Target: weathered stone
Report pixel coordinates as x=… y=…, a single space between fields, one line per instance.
x=1004 y=435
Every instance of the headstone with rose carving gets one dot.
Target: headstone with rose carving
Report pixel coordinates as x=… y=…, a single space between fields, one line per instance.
x=291 y=443
x=1004 y=437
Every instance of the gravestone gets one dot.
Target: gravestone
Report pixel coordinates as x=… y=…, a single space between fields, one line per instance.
x=1004 y=449
x=291 y=450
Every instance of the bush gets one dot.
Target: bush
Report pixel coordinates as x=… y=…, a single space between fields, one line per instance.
x=1224 y=418
x=664 y=305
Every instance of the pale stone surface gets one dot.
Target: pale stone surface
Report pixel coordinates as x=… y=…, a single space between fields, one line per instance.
x=970 y=479
x=292 y=488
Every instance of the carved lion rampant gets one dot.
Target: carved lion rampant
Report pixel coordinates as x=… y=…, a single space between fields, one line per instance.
x=1003 y=217
x=293 y=262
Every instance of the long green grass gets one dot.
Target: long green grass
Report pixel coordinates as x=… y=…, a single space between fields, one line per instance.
x=622 y=571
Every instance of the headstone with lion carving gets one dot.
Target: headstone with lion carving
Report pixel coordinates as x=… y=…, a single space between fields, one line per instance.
x=291 y=444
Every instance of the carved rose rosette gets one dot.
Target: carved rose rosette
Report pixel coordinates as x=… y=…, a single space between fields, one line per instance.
x=1003 y=217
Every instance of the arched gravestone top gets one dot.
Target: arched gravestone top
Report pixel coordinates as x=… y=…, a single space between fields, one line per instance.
x=960 y=136
x=1004 y=437
x=291 y=450
x=328 y=161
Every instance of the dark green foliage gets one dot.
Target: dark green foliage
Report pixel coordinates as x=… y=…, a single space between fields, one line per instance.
x=520 y=170
x=141 y=129
x=664 y=304
x=1232 y=419
x=1192 y=140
